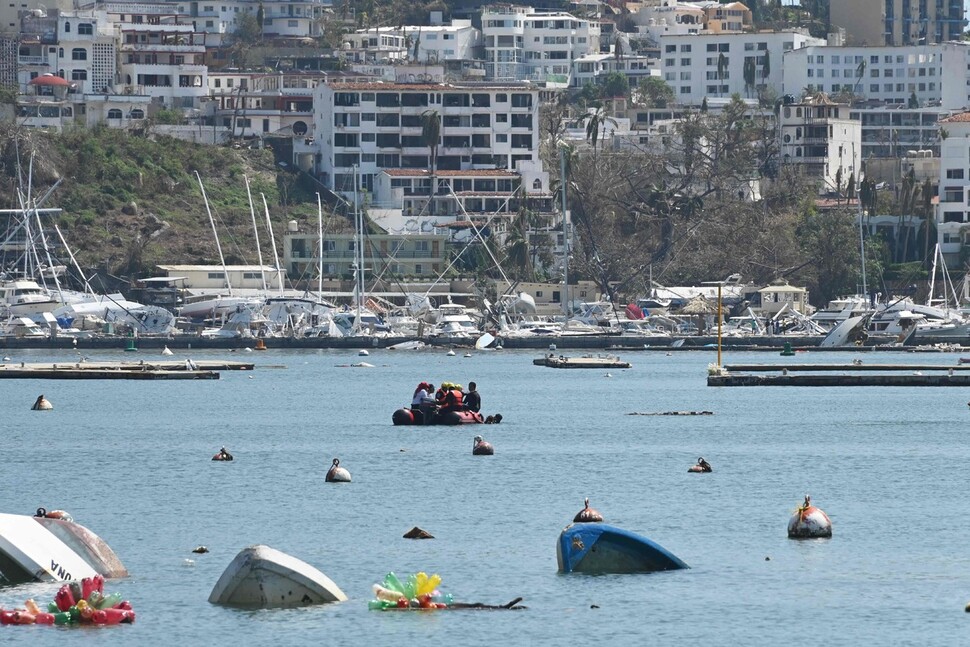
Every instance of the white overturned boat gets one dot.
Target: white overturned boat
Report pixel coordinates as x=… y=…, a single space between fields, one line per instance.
x=40 y=549
x=261 y=577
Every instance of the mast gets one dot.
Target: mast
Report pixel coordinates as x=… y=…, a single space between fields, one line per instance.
x=272 y=237
x=565 y=234
x=252 y=213
x=319 y=248
x=358 y=254
x=212 y=222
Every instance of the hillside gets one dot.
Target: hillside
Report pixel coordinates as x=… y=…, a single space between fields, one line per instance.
x=131 y=202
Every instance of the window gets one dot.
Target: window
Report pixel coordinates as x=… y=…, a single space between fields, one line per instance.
x=954 y=174
x=79 y=75
x=501 y=119
x=114 y=113
x=67 y=27
x=217 y=276
x=79 y=54
x=685 y=48
x=85 y=29
x=292 y=23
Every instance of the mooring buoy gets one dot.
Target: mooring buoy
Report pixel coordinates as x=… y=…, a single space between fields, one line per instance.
x=809 y=522
x=337 y=474
x=588 y=515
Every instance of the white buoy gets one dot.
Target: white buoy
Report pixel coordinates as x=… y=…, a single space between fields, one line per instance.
x=552 y=347
x=363 y=353
x=451 y=353
x=468 y=354
x=247 y=349
x=809 y=522
x=482 y=447
x=42 y=404
x=608 y=375
x=167 y=351
x=337 y=474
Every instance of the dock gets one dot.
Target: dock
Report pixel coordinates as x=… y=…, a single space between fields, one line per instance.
x=587 y=361
x=155 y=370
x=855 y=374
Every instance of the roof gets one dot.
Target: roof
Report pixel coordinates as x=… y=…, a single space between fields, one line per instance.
x=216 y=268
x=50 y=79
x=781 y=288
x=963 y=117
x=420 y=172
x=424 y=87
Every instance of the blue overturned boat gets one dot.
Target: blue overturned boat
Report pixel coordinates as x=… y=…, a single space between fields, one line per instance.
x=601 y=548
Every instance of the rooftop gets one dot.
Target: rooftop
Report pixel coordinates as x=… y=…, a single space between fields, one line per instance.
x=418 y=172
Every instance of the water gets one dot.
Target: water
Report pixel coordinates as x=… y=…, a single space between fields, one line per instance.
x=130 y=460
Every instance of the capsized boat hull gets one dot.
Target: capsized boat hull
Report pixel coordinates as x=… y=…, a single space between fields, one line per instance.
x=602 y=548
x=38 y=549
x=261 y=577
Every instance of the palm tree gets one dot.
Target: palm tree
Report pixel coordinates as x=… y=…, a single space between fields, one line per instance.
x=595 y=119
x=721 y=70
x=431 y=135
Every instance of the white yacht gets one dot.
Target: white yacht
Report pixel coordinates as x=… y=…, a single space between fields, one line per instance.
x=453 y=321
x=25 y=297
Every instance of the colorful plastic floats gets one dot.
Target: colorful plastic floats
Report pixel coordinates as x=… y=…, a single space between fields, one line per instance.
x=809 y=522
x=76 y=603
x=418 y=591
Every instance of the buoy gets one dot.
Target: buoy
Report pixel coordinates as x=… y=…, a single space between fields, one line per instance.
x=260 y=345
x=166 y=351
x=588 y=515
x=188 y=562
x=6 y=359
x=418 y=533
x=223 y=455
x=337 y=474
x=809 y=522
x=131 y=344
x=787 y=350
x=608 y=375
x=451 y=353
x=42 y=404
x=247 y=349
x=552 y=347
x=468 y=354
x=482 y=447
x=363 y=353
x=200 y=550
x=701 y=467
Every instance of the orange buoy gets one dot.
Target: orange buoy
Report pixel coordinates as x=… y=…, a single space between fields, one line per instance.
x=260 y=345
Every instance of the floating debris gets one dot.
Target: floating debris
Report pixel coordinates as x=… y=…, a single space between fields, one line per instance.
x=418 y=533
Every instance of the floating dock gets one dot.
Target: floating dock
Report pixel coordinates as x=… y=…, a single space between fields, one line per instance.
x=841 y=375
x=161 y=370
x=588 y=361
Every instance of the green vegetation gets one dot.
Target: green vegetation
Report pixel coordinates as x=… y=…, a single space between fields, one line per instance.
x=132 y=202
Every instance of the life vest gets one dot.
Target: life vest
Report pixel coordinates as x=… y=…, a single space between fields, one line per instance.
x=440 y=396
x=453 y=399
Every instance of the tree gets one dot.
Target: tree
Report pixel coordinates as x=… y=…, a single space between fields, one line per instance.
x=830 y=240
x=859 y=72
x=750 y=74
x=721 y=69
x=615 y=84
x=595 y=121
x=654 y=92
x=261 y=18
x=766 y=65
x=242 y=41
x=913 y=101
x=431 y=136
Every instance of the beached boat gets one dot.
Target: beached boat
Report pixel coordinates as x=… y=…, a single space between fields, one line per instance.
x=602 y=548
x=44 y=549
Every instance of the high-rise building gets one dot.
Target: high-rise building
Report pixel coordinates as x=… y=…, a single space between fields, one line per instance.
x=898 y=22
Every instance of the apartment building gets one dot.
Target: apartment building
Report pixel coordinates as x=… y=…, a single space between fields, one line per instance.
x=522 y=44
x=898 y=22
x=699 y=66
x=818 y=135
x=458 y=41
x=373 y=126
x=953 y=211
x=593 y=68
x=893 y=75
x=252 y=104
x=415 y=254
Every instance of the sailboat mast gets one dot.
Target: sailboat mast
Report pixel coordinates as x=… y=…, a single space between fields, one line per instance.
x=272 y=237
x=358 y=251
x=319 y=248
x=252 y=213
x=929 y=296
x=212 y=222
x=565 y=233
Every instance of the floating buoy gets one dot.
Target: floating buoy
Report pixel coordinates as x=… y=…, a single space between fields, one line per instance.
x=809 y=522
x=588 y=515
x=247 y=349
x=6 y=359
x=363 y=353
x=482 y=447
x=223 y=455
x=451 y=353
x=200 y=550
x=608 y=375
x=42 y=404
x=53 y=514
x=468 y=354
x=166 y=351
x=701 y=467
x=787 y=350
x=337 y=474
x=552 y=347
x=418 y=533
x=130 y=348
x=260 y=345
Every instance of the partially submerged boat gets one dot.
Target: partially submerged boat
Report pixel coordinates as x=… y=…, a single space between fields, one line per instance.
x=261 y=577
x=601 y=548
x=44 y=549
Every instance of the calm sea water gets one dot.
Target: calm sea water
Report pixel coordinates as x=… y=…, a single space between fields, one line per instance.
x=130 y=460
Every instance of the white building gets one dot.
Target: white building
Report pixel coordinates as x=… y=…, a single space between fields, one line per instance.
x=257 y=104
x=593 y=68
x=522 y=44
x=818 y=135
x=374 y=126
x=889 y=74
x=458 y=41
x=953 y=212
x=701 y=65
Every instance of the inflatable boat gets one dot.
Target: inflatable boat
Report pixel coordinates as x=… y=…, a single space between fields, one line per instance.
x=412 y=417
